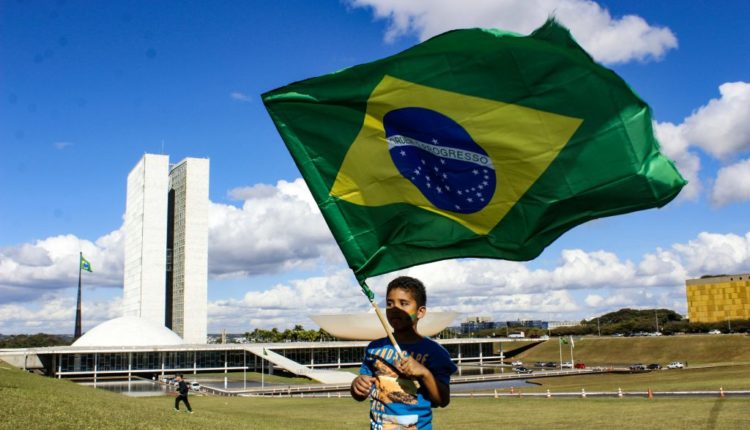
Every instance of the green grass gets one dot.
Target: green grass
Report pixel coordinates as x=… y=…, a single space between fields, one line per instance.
x=606 y=351
x=693 y=379
x=34 y=402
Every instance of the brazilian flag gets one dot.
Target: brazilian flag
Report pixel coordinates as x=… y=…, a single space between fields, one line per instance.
x=85 y=265
x=475 y=143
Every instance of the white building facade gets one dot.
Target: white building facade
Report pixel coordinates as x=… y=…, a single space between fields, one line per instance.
x=166 y=245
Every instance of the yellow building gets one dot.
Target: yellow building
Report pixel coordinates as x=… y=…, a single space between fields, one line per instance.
x=718 y=298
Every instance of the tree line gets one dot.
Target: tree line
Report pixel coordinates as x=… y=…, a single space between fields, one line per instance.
x=296 y=334
x=628 y=322
x=33 y=340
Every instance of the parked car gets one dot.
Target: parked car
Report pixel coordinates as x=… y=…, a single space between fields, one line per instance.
x=522 y=369
x=675 y=365
x=195 y=386
x=714 y=332
x=517 y=363
x=567 y=365
x=551 y=364
x=580 y=365
x=539 y=364
x=637 y=367
x=654 y=366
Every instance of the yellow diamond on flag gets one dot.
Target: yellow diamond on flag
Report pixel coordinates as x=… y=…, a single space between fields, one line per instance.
x=406 y=152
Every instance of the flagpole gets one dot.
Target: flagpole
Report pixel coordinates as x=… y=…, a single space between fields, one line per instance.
x=77 y=333
x=560 y=342
x=371 y=296
x=572 y=363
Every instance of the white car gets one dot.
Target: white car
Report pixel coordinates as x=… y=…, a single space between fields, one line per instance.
x=675 y=365
x=195 y=386
x=516 y=363
x=566 y=365
x=714 y=332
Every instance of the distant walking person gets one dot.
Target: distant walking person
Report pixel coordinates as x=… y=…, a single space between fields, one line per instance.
x=182 y=389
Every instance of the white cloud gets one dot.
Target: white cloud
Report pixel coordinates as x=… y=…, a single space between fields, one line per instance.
x=675 y=146
x=278 y=228
x=593 y=300
x=590 y=270
x=55 y=313
x=62 y=145
x=593 y=27
x=661 y=268
x=732 y=184
x=240 y=97
x=28 y=270
x=722 y=127
x=713 y=253
x=672 y=298
x=284 y=305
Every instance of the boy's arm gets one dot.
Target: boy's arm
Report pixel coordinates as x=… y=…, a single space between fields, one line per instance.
x=440 y=394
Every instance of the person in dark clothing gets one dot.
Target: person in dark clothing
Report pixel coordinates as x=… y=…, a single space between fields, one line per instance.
x=182 y=390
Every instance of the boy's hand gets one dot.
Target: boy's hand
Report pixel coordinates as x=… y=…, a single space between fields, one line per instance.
x=362 y=385
x=411 y=368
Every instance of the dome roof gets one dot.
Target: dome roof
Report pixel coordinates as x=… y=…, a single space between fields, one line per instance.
x=128 y=331
x=367 y=326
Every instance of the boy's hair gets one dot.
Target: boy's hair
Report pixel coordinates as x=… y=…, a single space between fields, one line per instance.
x=179 y=375
x=413 y=286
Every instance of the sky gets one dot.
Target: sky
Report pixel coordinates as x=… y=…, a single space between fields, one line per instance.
x=87 y=88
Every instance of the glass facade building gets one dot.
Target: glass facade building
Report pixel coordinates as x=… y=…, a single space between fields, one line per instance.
x=67 y=362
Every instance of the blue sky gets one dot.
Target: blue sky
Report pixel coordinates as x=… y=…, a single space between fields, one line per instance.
x=87 y=88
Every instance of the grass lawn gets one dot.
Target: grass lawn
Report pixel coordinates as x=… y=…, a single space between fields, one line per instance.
x=706 y=378
x=608 y=351
x=33 y=402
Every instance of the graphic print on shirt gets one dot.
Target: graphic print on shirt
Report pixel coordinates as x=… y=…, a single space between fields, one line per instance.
x=389 y=387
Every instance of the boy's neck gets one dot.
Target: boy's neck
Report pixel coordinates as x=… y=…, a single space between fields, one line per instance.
x=409 y=335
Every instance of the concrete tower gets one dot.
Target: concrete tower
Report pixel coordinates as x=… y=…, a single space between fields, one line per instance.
x=146 y=239
x=187 y=250
x=166 y=245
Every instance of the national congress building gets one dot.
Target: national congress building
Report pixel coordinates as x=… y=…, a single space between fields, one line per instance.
x=166 y=245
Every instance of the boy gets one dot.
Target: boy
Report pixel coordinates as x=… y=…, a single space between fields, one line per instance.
x=182 y=389
x=396 y=401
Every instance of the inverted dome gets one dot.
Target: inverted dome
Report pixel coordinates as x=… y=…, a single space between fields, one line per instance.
x=128 y=331
x=366 y=325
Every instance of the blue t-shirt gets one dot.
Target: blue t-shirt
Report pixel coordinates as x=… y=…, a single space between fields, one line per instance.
x=396 y=403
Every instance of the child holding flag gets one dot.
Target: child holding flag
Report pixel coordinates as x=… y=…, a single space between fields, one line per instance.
x=397 y=402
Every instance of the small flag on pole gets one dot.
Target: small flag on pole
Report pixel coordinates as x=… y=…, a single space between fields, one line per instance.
x=572 y=344
x=85 y=265
x=563 y=341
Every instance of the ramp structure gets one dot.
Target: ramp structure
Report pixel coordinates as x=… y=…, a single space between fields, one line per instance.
x=320 y=375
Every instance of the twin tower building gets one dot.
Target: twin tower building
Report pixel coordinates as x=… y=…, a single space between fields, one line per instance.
x=166 y=245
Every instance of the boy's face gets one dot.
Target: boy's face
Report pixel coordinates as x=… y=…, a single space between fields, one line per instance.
x=402 y=310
